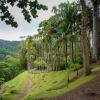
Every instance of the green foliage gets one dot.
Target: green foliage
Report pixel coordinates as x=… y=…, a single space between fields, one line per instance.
x=8 y=48
x=79 y=58
x=28 y=52
x=59 y=37
x=30 y=49
x=10 y=68
x=40 y=63
x=58 y=32
x=75 y=66
x=4 y=70
x=1 y=81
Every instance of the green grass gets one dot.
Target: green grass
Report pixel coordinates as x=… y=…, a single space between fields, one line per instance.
x=44 y=85
x=15 y=85
x=45 y=93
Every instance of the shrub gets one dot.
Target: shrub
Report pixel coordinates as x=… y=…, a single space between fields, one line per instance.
x=75 y=67
x=1 y=81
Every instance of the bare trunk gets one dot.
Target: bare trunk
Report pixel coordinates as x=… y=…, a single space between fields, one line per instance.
x=29 y=66
x=72 y=51
x=75 y=50
x=84 y=38
x=95 y=38
x=98 y=28
x=66 y=53
x=59 y=63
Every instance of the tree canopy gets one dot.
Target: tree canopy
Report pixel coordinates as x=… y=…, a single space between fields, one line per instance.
x=28 y=8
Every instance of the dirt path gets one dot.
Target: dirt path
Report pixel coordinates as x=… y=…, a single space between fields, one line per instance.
x=25 y=91
x=2 y=89
x=88 y=91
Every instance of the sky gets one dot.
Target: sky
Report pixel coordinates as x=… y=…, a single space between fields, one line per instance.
x=24 y=28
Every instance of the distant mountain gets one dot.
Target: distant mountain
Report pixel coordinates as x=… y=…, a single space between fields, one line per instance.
x=8 y=48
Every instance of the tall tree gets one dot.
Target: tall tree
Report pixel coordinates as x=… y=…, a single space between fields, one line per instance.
x=28 y=52
x=84 y=38
x=95 y=29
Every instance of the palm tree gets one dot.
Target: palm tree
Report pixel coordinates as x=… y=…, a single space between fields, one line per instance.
x=30 y=52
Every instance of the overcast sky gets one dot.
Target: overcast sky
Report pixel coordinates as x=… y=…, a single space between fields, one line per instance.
x=24 y=28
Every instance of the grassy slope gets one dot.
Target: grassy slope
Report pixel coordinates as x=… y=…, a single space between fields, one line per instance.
x=43 y=84
x=16 y=85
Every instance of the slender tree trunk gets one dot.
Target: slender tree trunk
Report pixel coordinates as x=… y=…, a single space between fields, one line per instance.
x=66 y=53
x=89 y=43
x=84 y=38
x=72 y=44
x=58 y=58
x=72 y=51
x=75 y=50
x=66 y=45
x=95 y=30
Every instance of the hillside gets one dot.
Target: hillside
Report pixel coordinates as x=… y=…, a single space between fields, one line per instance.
x=58 y=55
x=8 y=48
x=42 y=86
x=88 y=91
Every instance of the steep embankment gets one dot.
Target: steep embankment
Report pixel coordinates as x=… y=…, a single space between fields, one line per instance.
x=27 y=86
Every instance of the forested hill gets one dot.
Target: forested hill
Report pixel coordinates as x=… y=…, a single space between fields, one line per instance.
x=8 y=48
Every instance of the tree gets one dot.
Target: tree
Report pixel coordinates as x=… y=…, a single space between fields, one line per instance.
x=95 y=29
x=84 y=38
x=68 y=23
x=29 y=9
x=28 y=53
x=57 y=33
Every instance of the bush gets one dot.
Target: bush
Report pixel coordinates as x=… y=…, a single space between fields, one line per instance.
x=10 y=68
x=75 y=67
x=79 y=58
x=1 y=81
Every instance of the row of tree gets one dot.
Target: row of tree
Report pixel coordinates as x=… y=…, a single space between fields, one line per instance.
x=58 y=42
x=60 y=38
